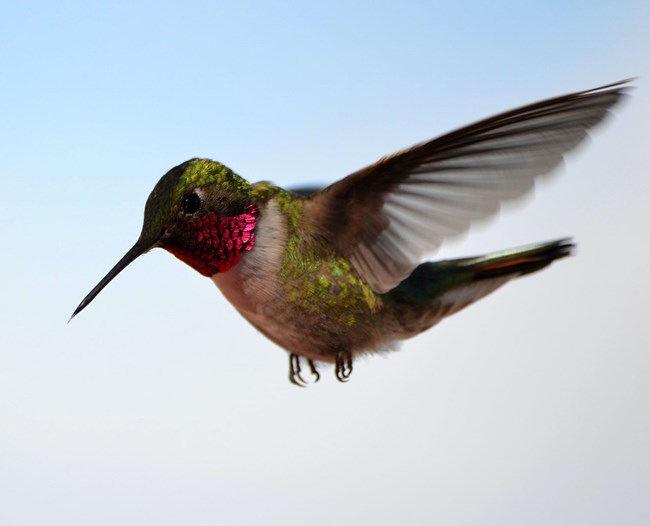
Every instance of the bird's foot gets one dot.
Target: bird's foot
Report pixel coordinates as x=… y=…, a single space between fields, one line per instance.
x=294 y=371
x=343 y=368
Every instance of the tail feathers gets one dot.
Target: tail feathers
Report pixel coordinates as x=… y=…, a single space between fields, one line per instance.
x=519 y=261
x=438 y=289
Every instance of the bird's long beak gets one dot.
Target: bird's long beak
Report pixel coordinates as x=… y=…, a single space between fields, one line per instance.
x=137 y=250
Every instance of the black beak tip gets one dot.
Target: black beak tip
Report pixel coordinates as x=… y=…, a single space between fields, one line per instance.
x=84 y=303
x=76 y=311
x=132 y=254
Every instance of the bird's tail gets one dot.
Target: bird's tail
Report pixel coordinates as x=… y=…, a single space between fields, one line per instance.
x=437 y=289
x=516 y=262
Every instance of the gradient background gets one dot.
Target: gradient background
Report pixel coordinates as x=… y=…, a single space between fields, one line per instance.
x=160 y=405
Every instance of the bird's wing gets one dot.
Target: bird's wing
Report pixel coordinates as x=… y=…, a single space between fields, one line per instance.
x=387 y=215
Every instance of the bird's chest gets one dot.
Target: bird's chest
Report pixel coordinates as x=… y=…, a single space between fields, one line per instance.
x=254 y=286
x=262 y=302
x=308 y=304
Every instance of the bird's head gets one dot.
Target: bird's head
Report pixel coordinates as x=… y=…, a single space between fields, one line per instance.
x=200 y=211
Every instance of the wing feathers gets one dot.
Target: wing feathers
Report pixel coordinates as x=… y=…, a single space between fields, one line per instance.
x=387 y=215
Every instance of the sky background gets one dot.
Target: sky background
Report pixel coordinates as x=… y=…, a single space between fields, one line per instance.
x=160 y=405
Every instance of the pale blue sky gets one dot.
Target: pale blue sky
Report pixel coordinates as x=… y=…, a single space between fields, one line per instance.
x=160 y=405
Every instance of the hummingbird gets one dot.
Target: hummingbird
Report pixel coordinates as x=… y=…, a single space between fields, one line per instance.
x=333 y=273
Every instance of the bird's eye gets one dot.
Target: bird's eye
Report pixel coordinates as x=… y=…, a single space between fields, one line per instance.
x=191 y=203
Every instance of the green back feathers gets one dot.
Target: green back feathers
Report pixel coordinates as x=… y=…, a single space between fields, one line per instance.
x=316 y=278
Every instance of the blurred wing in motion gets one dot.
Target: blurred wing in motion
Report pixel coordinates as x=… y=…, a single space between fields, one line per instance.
x=387 y=215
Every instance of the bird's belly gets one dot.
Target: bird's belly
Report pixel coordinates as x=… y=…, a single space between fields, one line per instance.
x=262 y=307
x=316 y=335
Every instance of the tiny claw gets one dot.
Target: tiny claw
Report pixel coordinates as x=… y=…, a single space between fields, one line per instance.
x=314 y=371
x=295 y=382
x=294 y=371
x=343 y=368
